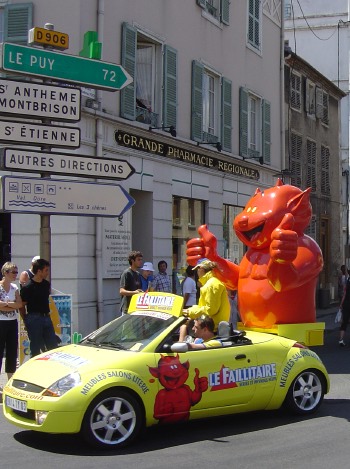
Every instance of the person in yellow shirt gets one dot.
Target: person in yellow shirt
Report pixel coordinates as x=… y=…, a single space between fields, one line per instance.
x=213 y=299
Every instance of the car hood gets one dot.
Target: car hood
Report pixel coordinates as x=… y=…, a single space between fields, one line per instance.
x=45 y=369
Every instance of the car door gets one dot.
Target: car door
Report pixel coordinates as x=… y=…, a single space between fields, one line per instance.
x=228 y=371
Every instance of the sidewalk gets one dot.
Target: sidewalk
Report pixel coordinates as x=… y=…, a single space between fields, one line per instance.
x=326 y=315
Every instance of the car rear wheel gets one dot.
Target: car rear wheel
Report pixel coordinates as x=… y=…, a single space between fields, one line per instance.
x=305 y=394
x=113 y=419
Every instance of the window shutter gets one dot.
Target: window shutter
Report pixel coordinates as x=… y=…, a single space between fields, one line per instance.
x=226 y=113
x=128 y=94
x=325 y=158
x=201 y=3
x=225 y=11
x=319 y=103
x=243 y=122
x=170 y=87
x=325 y=105
x=296 y=159
x=18 y=19
x=254 y=23
x=266 y=131
x=311 y=164
x=197 y=101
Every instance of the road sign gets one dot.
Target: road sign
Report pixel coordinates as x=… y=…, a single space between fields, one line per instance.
x=58 y=66
x=26 y=99
x=48 y=37
x=16 y=159
x=58 y=197
x=39 y=134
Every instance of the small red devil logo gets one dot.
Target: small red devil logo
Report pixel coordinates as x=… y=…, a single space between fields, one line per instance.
x=173 y=403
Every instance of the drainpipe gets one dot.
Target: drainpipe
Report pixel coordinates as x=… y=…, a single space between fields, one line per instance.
x=284 y=163
x=99 y=153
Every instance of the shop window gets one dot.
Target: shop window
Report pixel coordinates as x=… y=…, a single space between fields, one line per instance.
x=148 y=99
x=234 y=249
x=188 y=215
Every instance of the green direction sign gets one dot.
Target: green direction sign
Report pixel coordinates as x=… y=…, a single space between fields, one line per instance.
x=63 y=67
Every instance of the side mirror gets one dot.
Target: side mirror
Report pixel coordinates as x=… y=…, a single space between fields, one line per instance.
x=179 y=347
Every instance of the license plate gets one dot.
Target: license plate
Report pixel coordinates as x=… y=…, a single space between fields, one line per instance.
x=16 y=404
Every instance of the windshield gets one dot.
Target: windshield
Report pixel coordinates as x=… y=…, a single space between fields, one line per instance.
x=131 y=331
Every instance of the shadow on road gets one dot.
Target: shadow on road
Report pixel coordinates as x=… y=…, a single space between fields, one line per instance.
x=217 y=429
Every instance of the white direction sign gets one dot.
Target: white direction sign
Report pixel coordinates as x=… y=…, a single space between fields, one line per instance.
x=26 y=99
x=39 y=134
x=53 y=196
x=16 y=159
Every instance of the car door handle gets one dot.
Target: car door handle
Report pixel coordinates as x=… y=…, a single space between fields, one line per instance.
x=240 y=357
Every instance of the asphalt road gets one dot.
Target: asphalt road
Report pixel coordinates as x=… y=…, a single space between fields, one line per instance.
x=257 y=440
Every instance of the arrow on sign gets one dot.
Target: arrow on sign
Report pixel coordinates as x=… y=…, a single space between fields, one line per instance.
x=58 y=197
x=19 y=159
x=64 y=67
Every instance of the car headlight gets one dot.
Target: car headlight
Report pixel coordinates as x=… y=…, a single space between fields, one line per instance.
x=63 y=385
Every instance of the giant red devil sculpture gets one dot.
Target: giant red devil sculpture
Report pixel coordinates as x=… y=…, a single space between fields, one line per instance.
x=276 y=279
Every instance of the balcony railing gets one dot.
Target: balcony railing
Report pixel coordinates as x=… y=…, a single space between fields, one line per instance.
x=147 y=117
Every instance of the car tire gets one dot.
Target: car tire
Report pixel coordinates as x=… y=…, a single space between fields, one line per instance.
x=306 y=392
x=113 y=419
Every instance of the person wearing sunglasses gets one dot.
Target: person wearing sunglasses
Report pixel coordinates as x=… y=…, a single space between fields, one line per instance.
x=10 y=302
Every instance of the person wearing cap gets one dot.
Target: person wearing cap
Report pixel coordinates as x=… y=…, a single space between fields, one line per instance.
x=213 y=298
x=26 y=275
x=147 y=276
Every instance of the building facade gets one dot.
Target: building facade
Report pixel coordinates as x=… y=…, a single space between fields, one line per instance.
x=202 y=124
x=315 y=30
x=312 y=122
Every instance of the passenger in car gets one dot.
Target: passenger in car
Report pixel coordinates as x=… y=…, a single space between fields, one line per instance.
x=203 y=329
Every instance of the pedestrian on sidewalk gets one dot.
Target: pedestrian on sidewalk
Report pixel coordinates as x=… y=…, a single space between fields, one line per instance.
x=345 y=307
x=10 y=302
x=35 y=296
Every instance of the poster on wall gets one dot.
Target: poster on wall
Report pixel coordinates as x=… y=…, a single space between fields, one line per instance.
x=61 y=316
x=116 y=245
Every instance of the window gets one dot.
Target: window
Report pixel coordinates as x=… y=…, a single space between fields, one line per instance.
x=287 y=9
x=322 y=104
x=147 y=99
x=233 y=248
x=188 y=214
x=325 y=157
x=254 y=126
x=218 y=9
x=310 y=98
x=295 y=91
x=211 y=107
x=254 y=23
x=311 y=164
x=296 y=159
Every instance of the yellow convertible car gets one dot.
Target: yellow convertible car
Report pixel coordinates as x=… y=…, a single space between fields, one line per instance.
x=133 y=373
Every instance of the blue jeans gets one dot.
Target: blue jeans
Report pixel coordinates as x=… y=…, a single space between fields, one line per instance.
x=40 y=332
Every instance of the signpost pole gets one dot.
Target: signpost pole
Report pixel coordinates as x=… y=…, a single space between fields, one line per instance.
x=45 y=220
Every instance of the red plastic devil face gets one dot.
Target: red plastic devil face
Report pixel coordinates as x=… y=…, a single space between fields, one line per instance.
x=265 y=211
x=171 y=373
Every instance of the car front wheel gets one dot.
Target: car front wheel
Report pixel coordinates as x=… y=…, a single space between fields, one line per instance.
x=305 y=394
x=113 y=419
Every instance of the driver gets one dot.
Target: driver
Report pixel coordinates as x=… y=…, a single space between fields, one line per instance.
x=203 y=329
